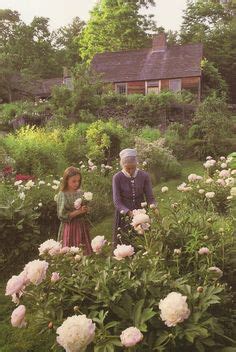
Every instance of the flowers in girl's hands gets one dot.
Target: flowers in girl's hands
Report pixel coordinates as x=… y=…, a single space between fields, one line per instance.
x=131 y=337
x=174 y=309
x=36 y=271
x=18 y=317
x=88 y=196
x=141 y=221
x=76 y=333
x=51 y=247
x=78 y=203
x=122 y=251
x=97 y=244
x=144 y=204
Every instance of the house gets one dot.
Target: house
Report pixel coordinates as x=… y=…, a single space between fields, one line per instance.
x=152 y=70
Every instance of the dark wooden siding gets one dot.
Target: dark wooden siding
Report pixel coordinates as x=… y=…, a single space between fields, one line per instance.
x=164 y=84
x=136 y=87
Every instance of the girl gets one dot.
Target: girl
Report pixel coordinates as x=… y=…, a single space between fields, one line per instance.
x=74 y=230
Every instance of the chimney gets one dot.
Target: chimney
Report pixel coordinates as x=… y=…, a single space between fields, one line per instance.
x=159 y=42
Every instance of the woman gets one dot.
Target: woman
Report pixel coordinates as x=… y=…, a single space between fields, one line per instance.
x=131 y=187
x=74 y=230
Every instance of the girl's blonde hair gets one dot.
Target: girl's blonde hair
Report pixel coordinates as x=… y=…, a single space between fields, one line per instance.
x=70 y=172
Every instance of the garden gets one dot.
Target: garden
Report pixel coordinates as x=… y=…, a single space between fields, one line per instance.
x=184 y=254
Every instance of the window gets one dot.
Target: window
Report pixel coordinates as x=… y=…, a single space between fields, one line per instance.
x=175 y=85
x=121 y=88
x=153 y=87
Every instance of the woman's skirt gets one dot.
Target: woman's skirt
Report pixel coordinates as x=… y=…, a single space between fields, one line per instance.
x=76 y=234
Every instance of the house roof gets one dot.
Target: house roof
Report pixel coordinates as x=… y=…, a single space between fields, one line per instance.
x=145 y=64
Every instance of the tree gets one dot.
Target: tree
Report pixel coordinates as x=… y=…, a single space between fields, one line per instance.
x=67 y=43
x=116 y=25
x=214 y=25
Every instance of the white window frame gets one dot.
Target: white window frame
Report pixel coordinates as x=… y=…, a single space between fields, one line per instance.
x=179 y=80
x=146 y=86
x=120 y=84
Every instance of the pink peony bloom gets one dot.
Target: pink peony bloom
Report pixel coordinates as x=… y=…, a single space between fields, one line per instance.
x=97 y=243
x=18 y=317
x=50 y=247
x=55 y=277
x=224 y=173
x=131 y=337
x=123 y=251
x=36 y=271
x=15 y=285
x=64 y=250
x=215 y=271
x=78 y=203
x=203 y=250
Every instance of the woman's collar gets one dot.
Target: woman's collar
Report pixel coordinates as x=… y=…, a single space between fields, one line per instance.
x=128 y=175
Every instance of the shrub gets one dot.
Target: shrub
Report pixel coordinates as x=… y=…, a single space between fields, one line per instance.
x=159 y=158
x=105 y=140
x=149 y=134
x=36 y=151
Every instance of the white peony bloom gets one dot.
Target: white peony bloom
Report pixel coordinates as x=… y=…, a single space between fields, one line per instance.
x=17 y=183
x=210 y=195
x=41 y=183
x=208 y=157
x=209 y=180
x=233 y=172
x=144 y=204
x=122 y=251
x=201 y=191
x=220 y=182
x=22 y=195
x=29 y=184
x=233 y=192
x=184 y=188
x=36 y=271
x=55 y=187
x=223 y=166
x=18 y=317
x=174 y=309
x=51 y=247
x=97 y=243
x=56 y=182
x=230 y=181
x=203 y=250
x=224 y=173
x=177 y=251
x=194 y=178
x=209 y=163
x=140 y=222
x=131 y=337
x=88 y=196
x=75 y=250
x=76 y=333
x=153 y=206
x=164 y=189
x=222 y=158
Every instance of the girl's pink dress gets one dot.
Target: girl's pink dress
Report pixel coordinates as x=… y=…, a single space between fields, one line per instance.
x=73 y=232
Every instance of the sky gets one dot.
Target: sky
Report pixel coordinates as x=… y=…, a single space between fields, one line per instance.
x=168 y=13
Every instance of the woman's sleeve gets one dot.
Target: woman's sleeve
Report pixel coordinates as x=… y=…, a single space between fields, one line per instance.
x=148 y=191
x=117 y=195
x=62 y=213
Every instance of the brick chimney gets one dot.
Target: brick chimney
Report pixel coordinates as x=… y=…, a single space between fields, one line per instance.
x=159 y=42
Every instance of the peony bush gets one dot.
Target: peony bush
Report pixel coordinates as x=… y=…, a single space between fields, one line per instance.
x=165 y=288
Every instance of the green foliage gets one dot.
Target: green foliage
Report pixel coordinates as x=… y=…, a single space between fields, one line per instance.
x=212 y=79
x=149 y=134
x=61 y=99
x=36 y=151
x=214 y=25
x=105 y=140
x=105 y=28
x=212 y=114
x=159 y=158
x=128 y=292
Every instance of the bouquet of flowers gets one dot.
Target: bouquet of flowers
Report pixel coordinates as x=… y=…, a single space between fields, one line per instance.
x=84 y=200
